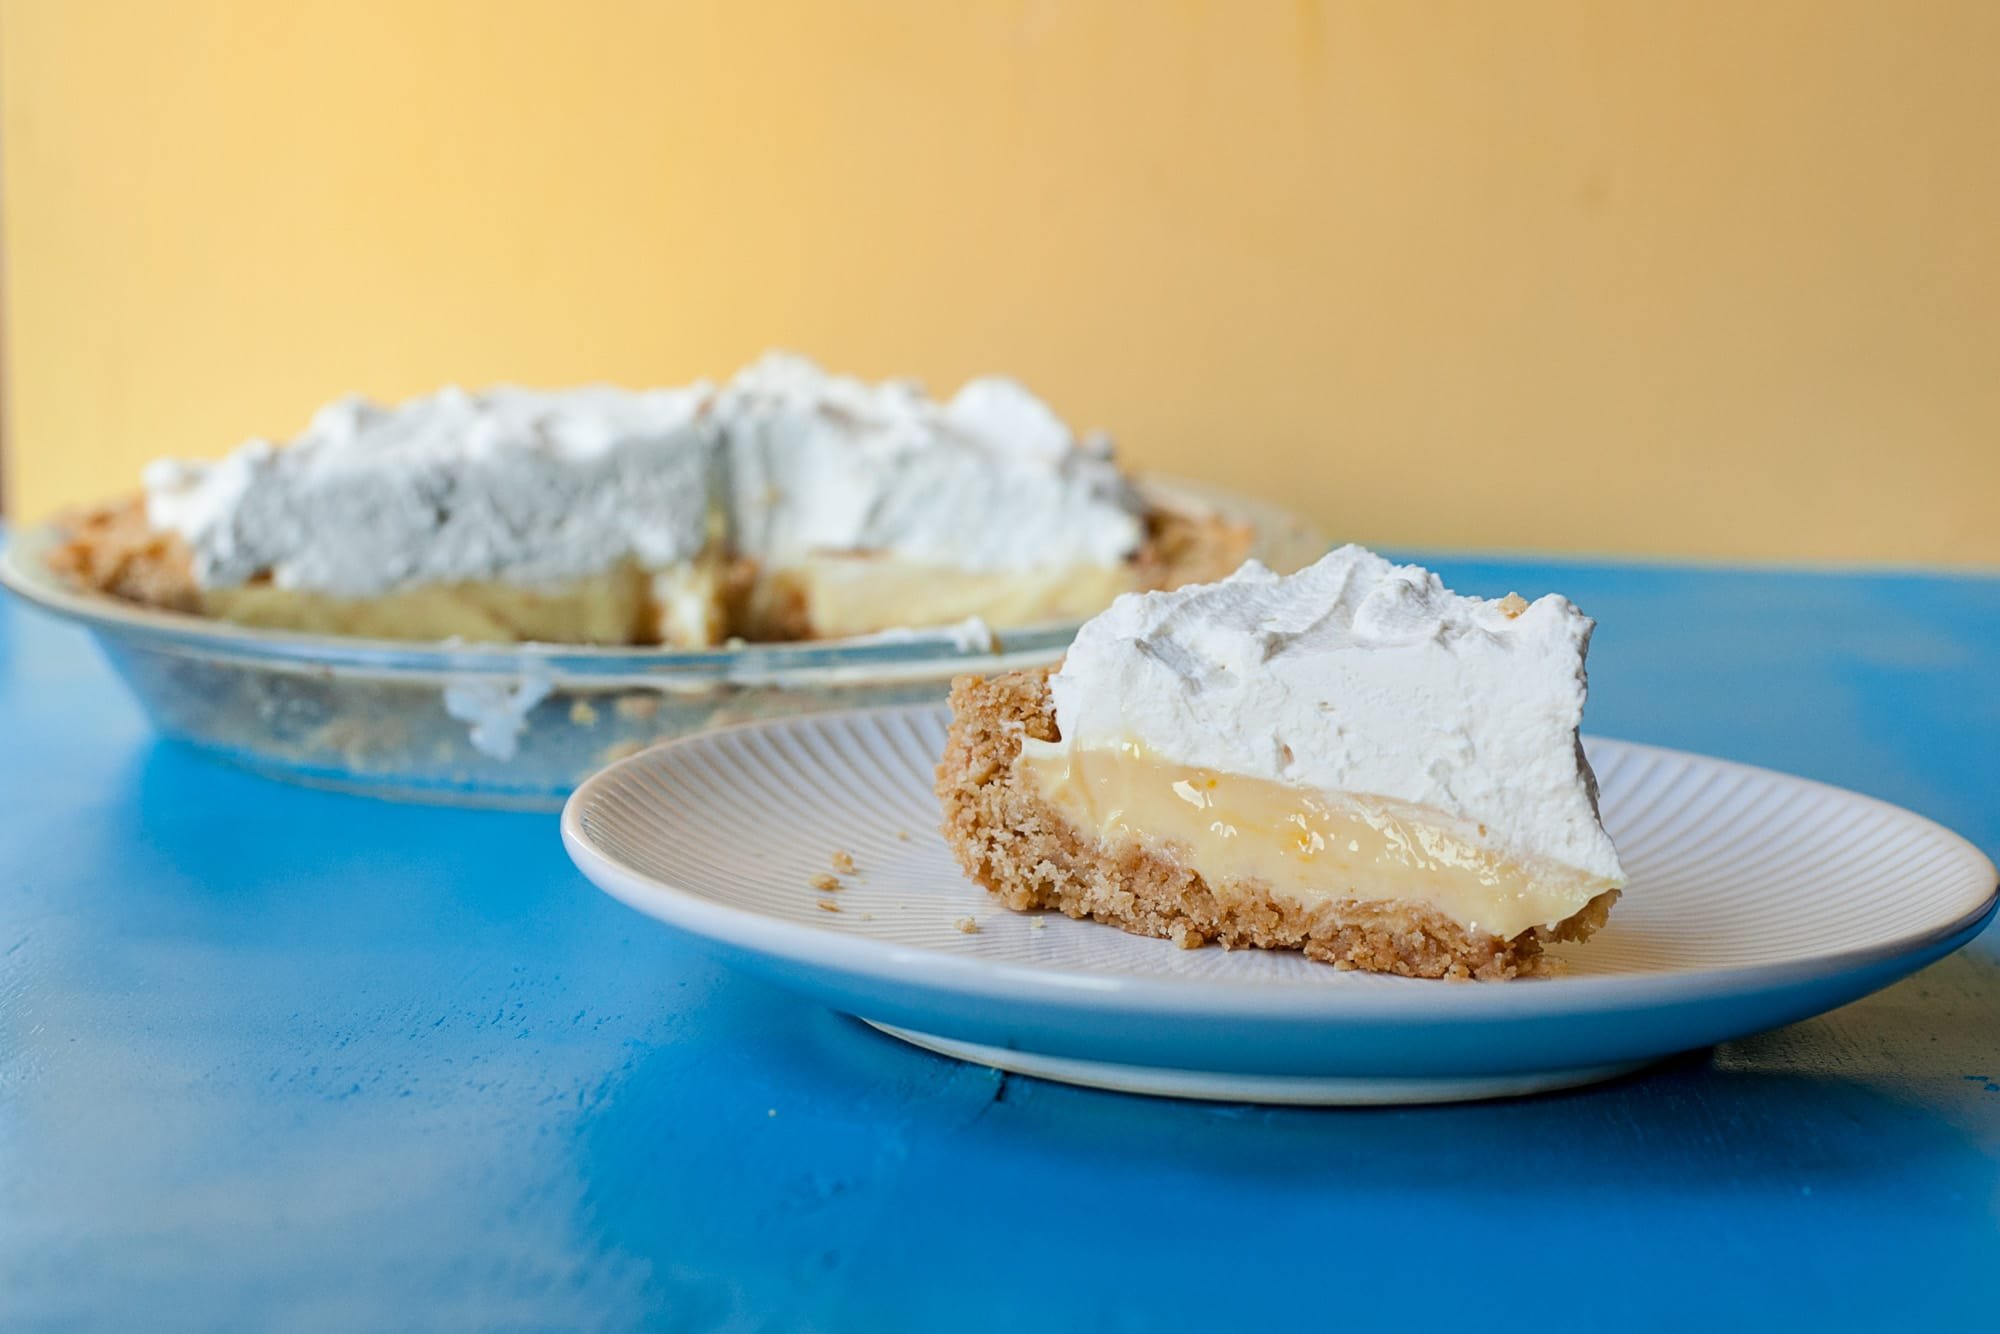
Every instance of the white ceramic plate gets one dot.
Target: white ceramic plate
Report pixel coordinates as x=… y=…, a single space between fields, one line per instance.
x=1756 y=900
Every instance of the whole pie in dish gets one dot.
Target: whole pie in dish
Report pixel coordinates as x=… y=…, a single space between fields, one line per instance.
x=1351 y=761
x=788 y=504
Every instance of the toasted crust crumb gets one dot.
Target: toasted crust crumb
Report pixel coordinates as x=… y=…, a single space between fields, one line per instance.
x=113 y=549
x=826 y=905
x=825 y=883
x=967 y=925
x=843 y=861
x=1191 y=548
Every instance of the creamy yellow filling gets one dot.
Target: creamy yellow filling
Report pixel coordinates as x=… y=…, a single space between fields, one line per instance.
x=1244 y=835
x=858 y=595
x=681 y=607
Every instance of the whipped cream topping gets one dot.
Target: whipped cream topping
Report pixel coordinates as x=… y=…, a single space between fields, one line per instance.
x=538 y=488
x=1356 y=676
x=512 y=484
x=991 y=480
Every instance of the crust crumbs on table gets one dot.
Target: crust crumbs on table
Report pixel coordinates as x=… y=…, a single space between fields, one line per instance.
x=825 y=883
x=967 y=925
x=843 y=861
x=826 y=905
x=638 y=708
x=1025 y=852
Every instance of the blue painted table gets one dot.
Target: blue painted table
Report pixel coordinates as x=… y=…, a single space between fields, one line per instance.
x=272 y=1057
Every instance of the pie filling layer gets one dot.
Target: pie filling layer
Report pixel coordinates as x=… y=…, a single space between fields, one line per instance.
x=608 y=608
x=1247 y=835
x=862 y=594
x=684 y=605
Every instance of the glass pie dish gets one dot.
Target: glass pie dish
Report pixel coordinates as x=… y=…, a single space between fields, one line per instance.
x=520 y=725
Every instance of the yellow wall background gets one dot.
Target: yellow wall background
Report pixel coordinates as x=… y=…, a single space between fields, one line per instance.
x=1716 y=278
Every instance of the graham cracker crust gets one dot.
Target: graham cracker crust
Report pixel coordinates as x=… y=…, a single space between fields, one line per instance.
x=1015 y=844
x=112 y=549
x=1190 y=549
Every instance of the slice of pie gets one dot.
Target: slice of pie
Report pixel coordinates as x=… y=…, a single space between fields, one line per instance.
x=793 y=504
x=1351 y=761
